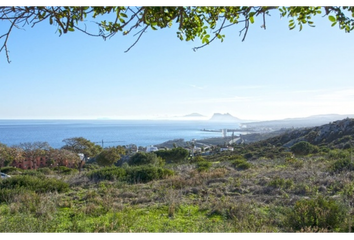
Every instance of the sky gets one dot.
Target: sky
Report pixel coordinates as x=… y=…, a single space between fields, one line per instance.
x=275 y=73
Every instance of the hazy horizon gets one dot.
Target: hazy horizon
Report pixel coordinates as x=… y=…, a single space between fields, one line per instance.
x=177 y=118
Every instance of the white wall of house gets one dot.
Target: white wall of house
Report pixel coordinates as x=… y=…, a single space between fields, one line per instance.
x=151 y=149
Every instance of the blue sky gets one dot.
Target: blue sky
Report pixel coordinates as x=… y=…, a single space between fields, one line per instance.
x=275 y=73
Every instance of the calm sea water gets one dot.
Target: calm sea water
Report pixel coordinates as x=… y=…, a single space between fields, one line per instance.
x=112 y=132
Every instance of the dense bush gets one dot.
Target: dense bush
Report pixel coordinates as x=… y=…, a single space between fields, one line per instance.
x=236 y=157
x=34 y=173
x=248 y=155
x=278 y=182
x=174 y=155
x=65 y=170
x=107 y=173
x=338 y=154
x=197 y=159
x=91 y=166
x=342 y=165
x=304 y=148
x=142 y=174
x=45 y=170
x=203 y=166
x=10 y=170
x=36 y=184
x=319 y=212
x=136 y=174
x=241 y=164
x=142 y=158
x=8 y=195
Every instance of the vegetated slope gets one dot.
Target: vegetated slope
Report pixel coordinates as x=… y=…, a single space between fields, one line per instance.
x=336 y=134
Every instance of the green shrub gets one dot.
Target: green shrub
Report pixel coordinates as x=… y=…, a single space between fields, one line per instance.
x=107 y=173
x=203 y=166
x=198 y=159
x=319 y=212
x=297 y=163
x=7 y=195
x=236 y=157
x=304 y=148
x=36 y=184
x=175 y=155
x=45 y=170
x=248 y=155
x=278 y=182
x=65 y=170
x=143 y=174
x=142 y=158
x=241 y=164
x=10 y=170
x=135 y=174
x=338 y=154
x=34 y=173
x=286 y=155
x=342 y=165
x=91 y=166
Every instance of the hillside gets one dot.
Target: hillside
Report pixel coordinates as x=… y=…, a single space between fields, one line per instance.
x=336 y=134
x=311 y=121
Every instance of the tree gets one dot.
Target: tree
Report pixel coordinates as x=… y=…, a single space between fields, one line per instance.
x=82 y=145
x=205 y=23
x=58 y=157
x=109 y=156
x=8 y=155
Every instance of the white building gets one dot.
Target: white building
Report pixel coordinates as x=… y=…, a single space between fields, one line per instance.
x=151 y=148
x=226 y=149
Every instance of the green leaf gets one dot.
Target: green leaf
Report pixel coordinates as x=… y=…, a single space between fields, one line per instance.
x=292 y=25
x=252 y=19
x=71 y=29
x=331 y=18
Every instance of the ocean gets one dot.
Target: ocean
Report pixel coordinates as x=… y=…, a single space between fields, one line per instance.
x=107 y=132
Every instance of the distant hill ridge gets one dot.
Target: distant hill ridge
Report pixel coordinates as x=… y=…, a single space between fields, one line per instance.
x=194 y=115
x=335 y=134
x=311 y=121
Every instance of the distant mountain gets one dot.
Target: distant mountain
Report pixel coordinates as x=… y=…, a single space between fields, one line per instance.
x=194 y=115
x=227 y=117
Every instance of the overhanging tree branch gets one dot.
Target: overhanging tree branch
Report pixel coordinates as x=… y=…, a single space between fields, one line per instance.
x=193 y=22
x=141 y=33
